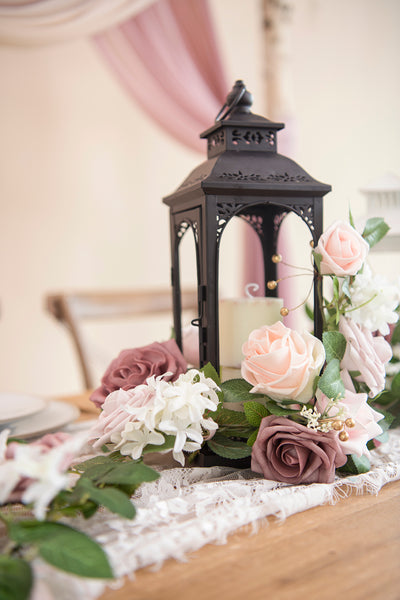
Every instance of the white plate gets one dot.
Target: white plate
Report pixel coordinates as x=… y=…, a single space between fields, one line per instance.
x=55 y=415
x=19 y=406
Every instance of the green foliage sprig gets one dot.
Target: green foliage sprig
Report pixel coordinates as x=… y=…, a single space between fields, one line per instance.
x=106 y=481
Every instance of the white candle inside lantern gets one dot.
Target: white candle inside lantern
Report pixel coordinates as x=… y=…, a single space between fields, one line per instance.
x=238 y=317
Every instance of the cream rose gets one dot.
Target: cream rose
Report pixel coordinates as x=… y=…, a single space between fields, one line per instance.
x=343 y=250
x=282 y=363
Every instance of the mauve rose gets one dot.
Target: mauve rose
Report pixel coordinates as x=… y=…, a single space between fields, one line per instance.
x=133 y=367
x=365 y=353
x=343 y=250
x=290 y=452
x=282 y=363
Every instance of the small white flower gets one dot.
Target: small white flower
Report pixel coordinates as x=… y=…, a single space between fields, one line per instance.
x=46 y=469
x=374 y=300
x=133 y=439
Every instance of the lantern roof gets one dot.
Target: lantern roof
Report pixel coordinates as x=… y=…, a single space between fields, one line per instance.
x=242 y=158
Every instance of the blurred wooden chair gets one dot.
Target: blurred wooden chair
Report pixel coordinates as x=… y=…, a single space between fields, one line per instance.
x=74 y=309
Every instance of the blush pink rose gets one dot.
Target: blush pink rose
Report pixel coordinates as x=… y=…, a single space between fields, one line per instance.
x=343 y=250
x=114 y=415
x=46 y=443
x=366 y=428
x=133 y=367
x=290 y=452
x=365 y=353
x=282 y=363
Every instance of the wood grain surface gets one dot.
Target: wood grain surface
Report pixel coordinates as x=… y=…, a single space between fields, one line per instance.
x=347 y=550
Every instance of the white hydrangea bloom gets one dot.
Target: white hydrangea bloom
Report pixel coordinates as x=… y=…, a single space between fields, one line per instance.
x=180 y=408
x=374 y=301
x=177 y=409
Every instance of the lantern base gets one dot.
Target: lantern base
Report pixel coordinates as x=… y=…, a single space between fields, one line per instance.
x=207 y=458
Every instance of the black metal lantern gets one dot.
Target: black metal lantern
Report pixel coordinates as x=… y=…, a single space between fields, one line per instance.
x=243 y=176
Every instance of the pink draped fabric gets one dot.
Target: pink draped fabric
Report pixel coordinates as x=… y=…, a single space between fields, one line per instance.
x=168 y=60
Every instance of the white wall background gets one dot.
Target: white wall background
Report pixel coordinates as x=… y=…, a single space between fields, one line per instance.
x=83 y=170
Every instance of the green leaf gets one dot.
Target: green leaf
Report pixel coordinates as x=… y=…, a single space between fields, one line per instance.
x=351 y=220
x=252 y=438
x=375 y=229
x=356 y=465
x=129 y=473
x=346 y=288
x=15 y=578
x=336 y=288
x=113 y=499
x=395 y=387
x=167 y=445
x=236 y=432
x=385 y=398
x=317 y=259
x=280 y=411
x=388 y=419
x=395 y=339
x=228 y=448
x=255 y=412
x=330 y=382
x=383 y=438
x=209 y=371
x=225 y=416
x=63 y=547
x=334 y=344
x=237 y=390
x=108 y=459
x=309 y=311
x=354 y=374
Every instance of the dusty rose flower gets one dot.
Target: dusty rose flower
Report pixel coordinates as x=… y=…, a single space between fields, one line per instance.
x=133 y=367
x=282 y=363
x=343 y=250
x=356 y=407
x=290 y=452
x=365 y=353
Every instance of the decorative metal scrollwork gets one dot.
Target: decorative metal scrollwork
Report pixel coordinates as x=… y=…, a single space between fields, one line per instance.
x=183 y=226
x=225 y=211
x=216 y=139
x=253 y=137
x=273 y=177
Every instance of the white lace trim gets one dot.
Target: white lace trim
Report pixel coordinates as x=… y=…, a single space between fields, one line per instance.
x=188 y=508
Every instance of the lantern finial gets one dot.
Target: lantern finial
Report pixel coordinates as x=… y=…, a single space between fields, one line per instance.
x=238 y=100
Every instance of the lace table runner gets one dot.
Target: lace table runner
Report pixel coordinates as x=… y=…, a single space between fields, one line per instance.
x=188 y=508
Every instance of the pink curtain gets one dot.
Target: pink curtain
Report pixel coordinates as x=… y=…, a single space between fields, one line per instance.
x=168 y=60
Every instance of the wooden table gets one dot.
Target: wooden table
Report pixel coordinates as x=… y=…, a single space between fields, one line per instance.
x=349 y=550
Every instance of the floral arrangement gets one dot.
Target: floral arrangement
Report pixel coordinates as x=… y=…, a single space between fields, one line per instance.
x=311 y=408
